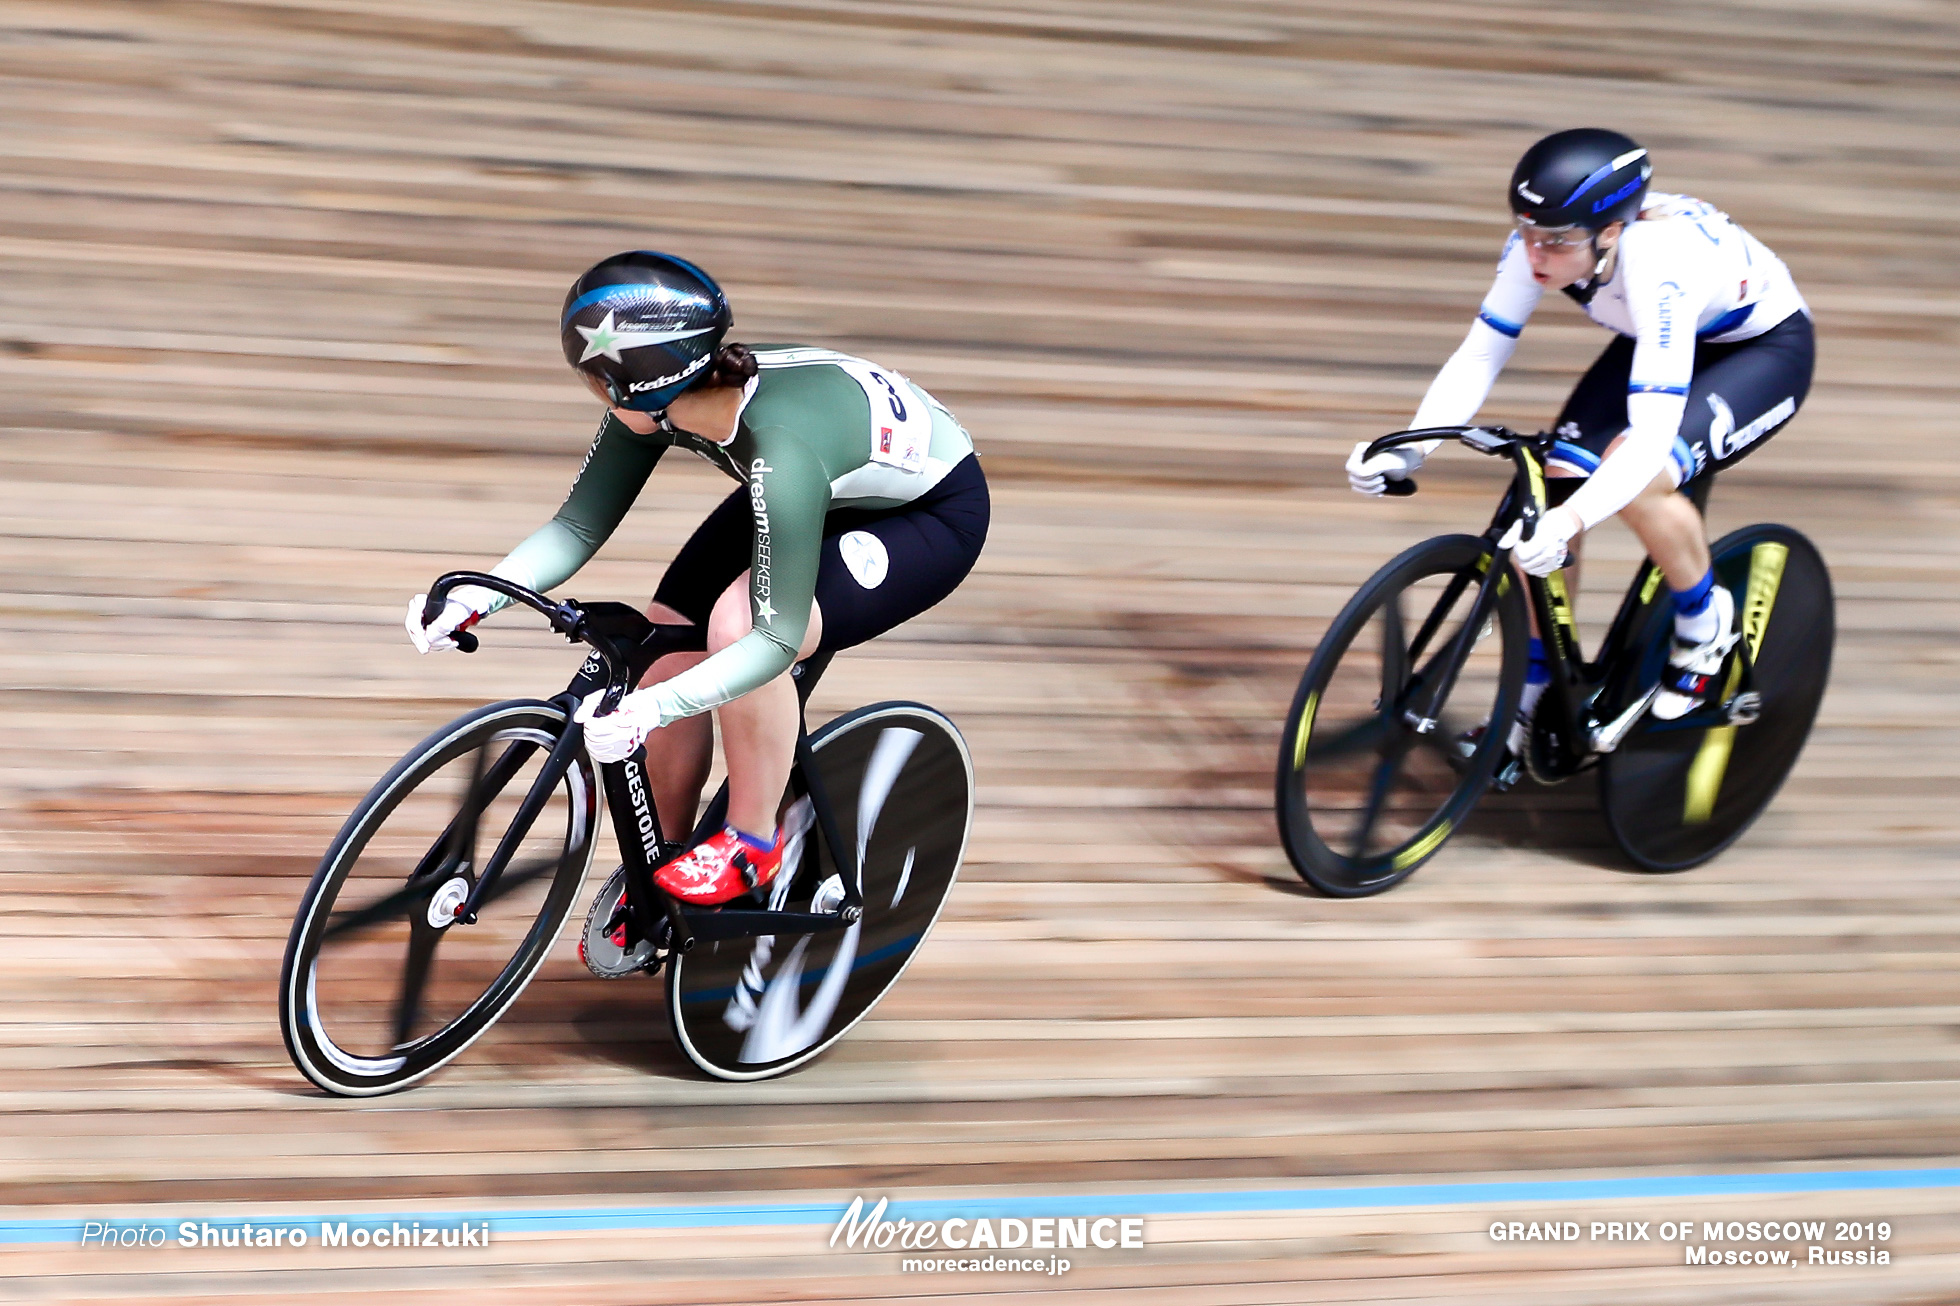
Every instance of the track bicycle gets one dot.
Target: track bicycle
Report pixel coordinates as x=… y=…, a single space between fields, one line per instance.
x=448 y=885
x=1386 y=749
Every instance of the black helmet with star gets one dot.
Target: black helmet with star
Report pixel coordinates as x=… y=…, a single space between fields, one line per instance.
x=643 y=327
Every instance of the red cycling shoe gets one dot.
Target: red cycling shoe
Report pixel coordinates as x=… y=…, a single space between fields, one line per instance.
x=719 y=868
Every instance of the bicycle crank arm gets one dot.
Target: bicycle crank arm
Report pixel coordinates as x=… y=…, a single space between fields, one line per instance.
x=1742 y=710
x=726 y=924
x=1608 y=737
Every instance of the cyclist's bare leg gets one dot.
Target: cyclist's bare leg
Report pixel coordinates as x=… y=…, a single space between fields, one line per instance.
x=758 y=730
x=679 y=756
x=1668 y=526
x=1671 y=530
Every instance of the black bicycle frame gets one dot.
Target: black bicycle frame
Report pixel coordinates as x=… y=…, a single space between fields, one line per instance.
x=1578 y=686
x=626 y=643
x=1438 y=676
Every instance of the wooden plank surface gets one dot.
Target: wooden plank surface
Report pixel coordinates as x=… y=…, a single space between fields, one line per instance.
x=277 y=282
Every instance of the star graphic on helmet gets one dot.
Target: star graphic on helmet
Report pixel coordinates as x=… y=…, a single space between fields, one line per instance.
x=608 y=340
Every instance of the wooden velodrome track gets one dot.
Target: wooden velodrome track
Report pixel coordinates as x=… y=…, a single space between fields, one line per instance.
x=277 y=289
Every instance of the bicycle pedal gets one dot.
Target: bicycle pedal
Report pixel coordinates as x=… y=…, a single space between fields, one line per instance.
x=1744 y=709
x=1507 y=776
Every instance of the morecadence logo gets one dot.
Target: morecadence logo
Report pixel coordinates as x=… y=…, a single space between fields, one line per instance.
x=871 y=1231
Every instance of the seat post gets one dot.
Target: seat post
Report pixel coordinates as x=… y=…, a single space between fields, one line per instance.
x=843 y=856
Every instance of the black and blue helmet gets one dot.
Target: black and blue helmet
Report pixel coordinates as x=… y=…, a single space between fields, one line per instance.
x=1587 y=177
x=644 y=327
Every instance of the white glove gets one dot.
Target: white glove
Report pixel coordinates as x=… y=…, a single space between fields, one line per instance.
x=613 y=738
x=1544 y=552
x=434 y=637
x=1365 y=474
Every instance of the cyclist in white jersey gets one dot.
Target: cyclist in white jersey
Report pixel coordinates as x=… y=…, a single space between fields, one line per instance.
x=1713 y=355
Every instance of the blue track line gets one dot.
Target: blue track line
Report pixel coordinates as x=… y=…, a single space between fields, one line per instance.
x=1265 y=1200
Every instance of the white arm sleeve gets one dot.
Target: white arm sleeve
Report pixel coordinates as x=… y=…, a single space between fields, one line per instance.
x=1464 y=382
x=1665 y=297
x=1654 y=417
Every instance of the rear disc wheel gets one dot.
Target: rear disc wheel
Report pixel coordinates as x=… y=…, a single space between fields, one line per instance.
x=1676 y=796
x=901 y=783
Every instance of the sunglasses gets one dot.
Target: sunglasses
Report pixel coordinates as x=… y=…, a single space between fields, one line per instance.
x=1554 y=240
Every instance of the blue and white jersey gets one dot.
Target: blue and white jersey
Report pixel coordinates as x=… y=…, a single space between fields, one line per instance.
x=1684 y=273
x=1683 y=261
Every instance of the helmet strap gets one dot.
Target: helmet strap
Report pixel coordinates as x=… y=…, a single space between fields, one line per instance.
x=1601 y=262
x=665 y=426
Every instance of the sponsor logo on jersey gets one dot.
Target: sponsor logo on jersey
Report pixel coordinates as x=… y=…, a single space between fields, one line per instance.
x=1720 y=424
x=884 y=439
x=759 y=580
x=591 y=449
x=1664 y=311
x=1690 y=460
x=864 y=555
x=1725 y=440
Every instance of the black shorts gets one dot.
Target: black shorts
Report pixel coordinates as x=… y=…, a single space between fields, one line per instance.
x=1742 y=394
x=880 y=567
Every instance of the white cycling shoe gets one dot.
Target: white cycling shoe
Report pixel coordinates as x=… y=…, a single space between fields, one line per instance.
x=1689 y=678
x=1515 y=743
x=1510 y=763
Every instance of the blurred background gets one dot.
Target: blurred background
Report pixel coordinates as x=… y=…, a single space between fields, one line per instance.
x=278 y=286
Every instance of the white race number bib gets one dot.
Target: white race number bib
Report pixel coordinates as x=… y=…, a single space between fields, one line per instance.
x=901 y=424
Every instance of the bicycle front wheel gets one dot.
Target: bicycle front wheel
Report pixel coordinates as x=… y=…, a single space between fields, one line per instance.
x=901 y=783
x=1676 y=795
x=1373 y=774
x=381 y=983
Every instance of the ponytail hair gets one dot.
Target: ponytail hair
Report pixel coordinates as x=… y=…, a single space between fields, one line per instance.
x=733 y=365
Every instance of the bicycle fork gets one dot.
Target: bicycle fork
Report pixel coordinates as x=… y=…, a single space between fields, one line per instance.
x=560 y=761
x=1441 y=679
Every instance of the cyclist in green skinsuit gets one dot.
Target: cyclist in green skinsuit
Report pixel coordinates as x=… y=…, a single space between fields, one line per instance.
x=861 y=505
